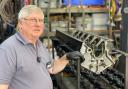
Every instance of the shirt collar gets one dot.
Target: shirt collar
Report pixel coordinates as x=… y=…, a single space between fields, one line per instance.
x=23 y=40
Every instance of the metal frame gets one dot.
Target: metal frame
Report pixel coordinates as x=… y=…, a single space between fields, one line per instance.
x=124 y=41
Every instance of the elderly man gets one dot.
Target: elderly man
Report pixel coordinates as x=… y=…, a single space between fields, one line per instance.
x=24 y=59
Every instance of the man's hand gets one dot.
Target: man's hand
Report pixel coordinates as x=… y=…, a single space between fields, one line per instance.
x=75 y=55
x=58 y=65
x=3 y=86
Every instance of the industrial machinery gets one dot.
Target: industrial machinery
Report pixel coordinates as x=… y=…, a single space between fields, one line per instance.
x=97 y=71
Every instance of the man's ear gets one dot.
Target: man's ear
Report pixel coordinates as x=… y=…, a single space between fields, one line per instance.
x=19 y=24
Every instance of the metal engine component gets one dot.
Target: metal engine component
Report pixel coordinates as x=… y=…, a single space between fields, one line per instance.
x=97 y=71
x=96 y=51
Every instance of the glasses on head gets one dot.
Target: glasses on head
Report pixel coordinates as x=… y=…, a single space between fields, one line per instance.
x=34 y=20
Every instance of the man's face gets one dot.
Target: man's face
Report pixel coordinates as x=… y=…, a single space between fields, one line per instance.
x=33 y=25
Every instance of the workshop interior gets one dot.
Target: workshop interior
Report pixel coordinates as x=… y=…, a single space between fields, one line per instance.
x=98 y=29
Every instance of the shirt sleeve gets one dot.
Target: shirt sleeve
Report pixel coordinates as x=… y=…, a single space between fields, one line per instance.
x=7 y=66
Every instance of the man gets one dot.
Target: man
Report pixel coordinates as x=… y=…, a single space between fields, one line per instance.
x=24 y=59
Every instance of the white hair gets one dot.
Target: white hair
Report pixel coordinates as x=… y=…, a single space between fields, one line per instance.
x=27 y=9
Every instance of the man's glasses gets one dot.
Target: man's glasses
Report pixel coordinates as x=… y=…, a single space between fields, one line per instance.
x=34 y=20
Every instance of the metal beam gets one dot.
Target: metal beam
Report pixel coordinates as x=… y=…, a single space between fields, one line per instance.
x=124 y=41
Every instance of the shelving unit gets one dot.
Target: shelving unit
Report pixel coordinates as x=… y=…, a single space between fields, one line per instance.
x=77 y=10
x=69 y=11
x=72 y=11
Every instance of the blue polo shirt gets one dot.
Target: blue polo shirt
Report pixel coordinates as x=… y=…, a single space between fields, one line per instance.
x=19 y=67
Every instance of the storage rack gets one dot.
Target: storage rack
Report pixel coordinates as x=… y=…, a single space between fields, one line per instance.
x=71 y=10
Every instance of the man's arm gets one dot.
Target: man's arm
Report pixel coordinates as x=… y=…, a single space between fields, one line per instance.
x=3 y=86
x=7 y=67
x=58 y=65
